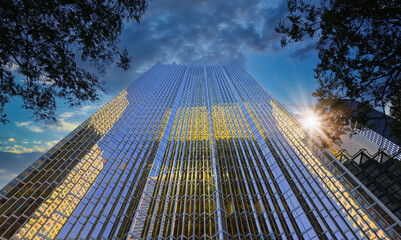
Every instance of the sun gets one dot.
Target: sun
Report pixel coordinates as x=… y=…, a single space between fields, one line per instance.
x=311 y=121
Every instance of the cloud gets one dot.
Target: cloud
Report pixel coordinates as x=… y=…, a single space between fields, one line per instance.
x=62 y=125
x=12 y=66
x=67 y=114
x=21 y=149
x=50 y=144
x=30 y=126
x=35 y=129
x=11 y=140
x=59 y=126
x=199 y=32
x=23 y=124
x=81 y=111
x=306 y=48
x=25 y=147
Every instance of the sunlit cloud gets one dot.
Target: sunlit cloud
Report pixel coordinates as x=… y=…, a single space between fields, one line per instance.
x=67 y=114
x=21 y=149
x=30 y=126
x=35 y=129
x=27 y=147
x=59 y=126
x=62 y=125
x=23 y=124
x=50 y=144
x=81 y=111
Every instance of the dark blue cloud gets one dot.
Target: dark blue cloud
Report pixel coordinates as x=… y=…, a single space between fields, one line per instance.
x=211 y=31
x=305 y=50
x=183 y=31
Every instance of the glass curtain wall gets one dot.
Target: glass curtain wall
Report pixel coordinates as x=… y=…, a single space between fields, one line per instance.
x=191 y=152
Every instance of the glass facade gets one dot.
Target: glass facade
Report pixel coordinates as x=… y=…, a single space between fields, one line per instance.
x=191 y=152
x=384 y=143
x=382 y=178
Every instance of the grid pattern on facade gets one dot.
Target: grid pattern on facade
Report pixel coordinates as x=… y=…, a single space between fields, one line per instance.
x=383 y=179
x=191 y=152
x=384 y=143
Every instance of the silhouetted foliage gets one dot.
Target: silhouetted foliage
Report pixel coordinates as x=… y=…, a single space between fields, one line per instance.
x=359 y=48
x=45 y=41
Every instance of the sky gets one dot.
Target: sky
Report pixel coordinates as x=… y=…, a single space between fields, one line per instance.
x=180 y=31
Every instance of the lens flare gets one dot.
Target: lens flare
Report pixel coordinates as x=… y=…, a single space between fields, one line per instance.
x=311 y=121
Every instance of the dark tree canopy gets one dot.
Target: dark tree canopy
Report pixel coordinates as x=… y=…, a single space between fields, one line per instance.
x=44 y=41
x=359 y=47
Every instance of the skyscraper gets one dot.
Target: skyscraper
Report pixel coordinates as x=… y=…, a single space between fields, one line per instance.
x=192 y=152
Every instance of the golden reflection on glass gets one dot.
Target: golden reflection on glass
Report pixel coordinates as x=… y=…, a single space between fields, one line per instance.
x=51 y=215
x=104 y=119
x=196 y=152
x=354 y=212
x=224 y=116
